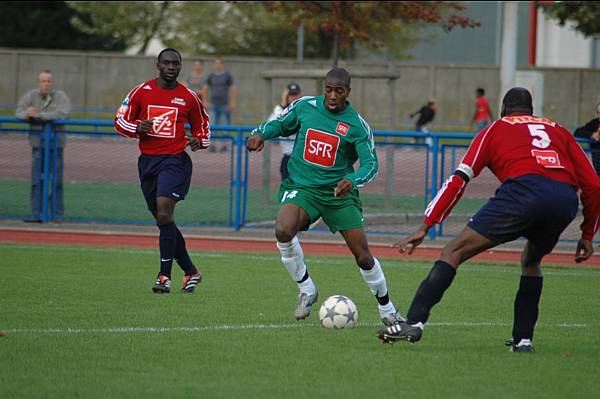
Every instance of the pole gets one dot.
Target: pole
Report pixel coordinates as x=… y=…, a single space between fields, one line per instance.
x=46 y=173
x=389 y=152
x=508 y=60
x=266 y=152
x=532 y=33
x=300 y=43
x=238 y=142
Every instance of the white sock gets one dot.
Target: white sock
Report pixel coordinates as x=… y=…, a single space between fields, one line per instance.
x=292 y=258
x=375 y=280
x=387 y=309
x=308 y=286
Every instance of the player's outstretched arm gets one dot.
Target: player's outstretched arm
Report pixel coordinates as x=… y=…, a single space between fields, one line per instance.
x=411 y=242
x=255 y=143
x=584 y=250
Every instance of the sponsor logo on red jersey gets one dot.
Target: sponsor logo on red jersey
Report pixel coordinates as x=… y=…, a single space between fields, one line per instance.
x=518 y=119
x=123 y=108
x=547 y=158
x=342 y=128
x=163 y=120
x=178 y=101
x=320 y=148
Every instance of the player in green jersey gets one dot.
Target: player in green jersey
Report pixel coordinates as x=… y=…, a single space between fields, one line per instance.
x=323 y=183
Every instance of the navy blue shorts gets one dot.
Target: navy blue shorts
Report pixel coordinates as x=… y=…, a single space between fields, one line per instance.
x=530 y=206
x=164 y=176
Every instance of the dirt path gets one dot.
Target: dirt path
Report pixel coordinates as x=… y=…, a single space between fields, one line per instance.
x=220 y=244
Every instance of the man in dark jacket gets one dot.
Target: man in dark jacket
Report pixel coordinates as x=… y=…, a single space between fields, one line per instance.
x=590 y=131
x=426 y=115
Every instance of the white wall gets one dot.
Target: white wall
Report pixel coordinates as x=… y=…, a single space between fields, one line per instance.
x=561 y=46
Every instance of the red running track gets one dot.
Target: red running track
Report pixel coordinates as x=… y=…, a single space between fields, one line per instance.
x=219 y=244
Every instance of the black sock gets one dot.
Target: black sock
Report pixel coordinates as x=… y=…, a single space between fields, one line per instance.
x=182 y=257
x=304 y=278
x=383 y=300
x=167 y=242
x=430 y=291
x=526 y=307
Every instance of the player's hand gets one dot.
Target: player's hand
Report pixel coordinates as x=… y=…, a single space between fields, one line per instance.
x=585 y=249
x=195 y=144
x=411 y=242
x=344 y=187
x=595 y=136
x=145 y=126
x=255 y=143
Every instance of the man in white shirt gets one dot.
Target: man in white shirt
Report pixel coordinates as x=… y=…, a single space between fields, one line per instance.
x=290 y=94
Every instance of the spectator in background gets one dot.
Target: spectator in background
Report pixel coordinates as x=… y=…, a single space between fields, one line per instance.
x=222 y=98
x=483 y=116
x=426 y=115
x=290 y=94
x=591 y=131
x=195 y=81
x=38 y=106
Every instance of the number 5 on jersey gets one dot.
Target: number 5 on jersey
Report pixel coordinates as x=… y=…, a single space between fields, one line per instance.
x=545 y=158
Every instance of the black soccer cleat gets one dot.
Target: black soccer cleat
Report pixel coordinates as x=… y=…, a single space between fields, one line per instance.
x=524 y=346
x=401 y=332
x=162 y=285
x=190 y=282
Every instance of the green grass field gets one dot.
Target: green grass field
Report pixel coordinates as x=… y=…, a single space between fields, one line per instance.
x=83 y=322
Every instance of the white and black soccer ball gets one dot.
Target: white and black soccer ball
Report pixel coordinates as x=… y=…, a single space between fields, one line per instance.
x=338 y=311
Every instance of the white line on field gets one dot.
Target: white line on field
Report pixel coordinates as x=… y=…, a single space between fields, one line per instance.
x=235 y=327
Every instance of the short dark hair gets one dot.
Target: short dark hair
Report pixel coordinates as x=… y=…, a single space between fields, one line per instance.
x=480 y=91
x=165 y=50
x=518 y=99
x=339 y=74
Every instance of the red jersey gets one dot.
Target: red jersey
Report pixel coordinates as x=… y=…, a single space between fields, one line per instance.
x=482 y=109
x=521 y=145
x=169 y=110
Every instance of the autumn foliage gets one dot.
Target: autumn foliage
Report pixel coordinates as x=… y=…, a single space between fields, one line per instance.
x=365 y=21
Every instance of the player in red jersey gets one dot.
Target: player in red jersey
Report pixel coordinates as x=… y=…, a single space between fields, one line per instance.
x=483 y=116
x=541 y=167
x=156 y=112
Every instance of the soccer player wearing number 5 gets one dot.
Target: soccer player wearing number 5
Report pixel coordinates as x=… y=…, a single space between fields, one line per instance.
x=322 y=183
x=541 y=168
x=155 y=112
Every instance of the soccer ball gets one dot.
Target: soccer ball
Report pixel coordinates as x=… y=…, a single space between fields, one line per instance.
x=338 y=311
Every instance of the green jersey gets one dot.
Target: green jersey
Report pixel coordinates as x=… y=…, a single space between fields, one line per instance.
x=327 y=145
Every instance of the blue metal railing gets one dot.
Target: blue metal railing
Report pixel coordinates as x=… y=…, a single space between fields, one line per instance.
x=435 y=159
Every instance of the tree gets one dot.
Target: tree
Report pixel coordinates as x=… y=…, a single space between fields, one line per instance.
x=134 y=23
x=47 y=24
x=585 y=15
x=369 y=23
x=233 y=28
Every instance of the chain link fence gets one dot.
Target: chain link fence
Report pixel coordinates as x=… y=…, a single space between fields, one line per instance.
x=230 y=187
